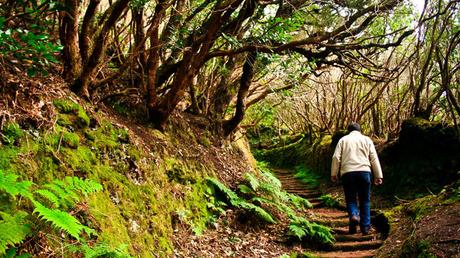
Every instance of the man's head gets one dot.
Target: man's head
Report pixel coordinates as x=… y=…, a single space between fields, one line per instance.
x=353 y=127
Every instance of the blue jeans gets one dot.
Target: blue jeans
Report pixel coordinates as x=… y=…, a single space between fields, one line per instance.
x=358 y=185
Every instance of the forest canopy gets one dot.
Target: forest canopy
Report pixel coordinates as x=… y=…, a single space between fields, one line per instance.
x=217 y=58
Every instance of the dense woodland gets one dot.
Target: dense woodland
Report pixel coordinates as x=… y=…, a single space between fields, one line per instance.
x=383 y=60
x=117 y=100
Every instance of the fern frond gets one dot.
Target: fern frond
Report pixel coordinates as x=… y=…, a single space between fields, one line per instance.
x=85 y=186
x=313 y=231
x=260 y=212
x=297 y=231
x=61 y=220
x=271 y=179
x=50 y=196
x=245 y=189
x=252 y=180
x=13 y=229
x=9 y=184
x=66 y=196
x=299 y=202
x=231 y=196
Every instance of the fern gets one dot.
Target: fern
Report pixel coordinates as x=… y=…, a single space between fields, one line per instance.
x=297 y=231
x=299 y=202
x=329 y=201
x=271 y=179
x=9 y=184
x=50 y=196
x=246 y=189
x=67 y=197
x=305 y=176
x=68 y=191
x=13 y=228
x=102 y=250
x=260 y=212
x=231 y=197
x=61 y=220
x=302 y=228
x=85 y=186
x=238 y=202
x=252 y=181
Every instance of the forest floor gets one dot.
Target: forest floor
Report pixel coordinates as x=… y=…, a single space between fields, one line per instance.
x=436 y=232
x=231 y=238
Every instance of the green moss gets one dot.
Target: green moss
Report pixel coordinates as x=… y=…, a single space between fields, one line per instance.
x=420 y=207
x=11 y=133
x=80 y=159
x=134 y=153
x=7 y=153
x=64 y=120
x=70 y=139
x=66 y=106
x=203 y=140
x=71 y=114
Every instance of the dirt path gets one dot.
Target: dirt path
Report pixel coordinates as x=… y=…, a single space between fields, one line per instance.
x=347 y=245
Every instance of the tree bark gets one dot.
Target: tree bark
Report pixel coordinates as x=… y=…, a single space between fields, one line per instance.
x=248 y=73
x=69 y=34
x=86 y=28
x=82 y=84
x=154 y=56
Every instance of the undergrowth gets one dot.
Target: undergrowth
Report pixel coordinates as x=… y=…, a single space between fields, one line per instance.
x=49 y=203
x=306 y=176
x=261 y=196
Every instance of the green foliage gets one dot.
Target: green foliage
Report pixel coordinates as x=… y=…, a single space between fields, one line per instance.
x=60 y=193
x=71 y=113
x=303 y=229
x=11 y=132
x=13 y=229
x=61 y=220
x=329 y=201
x=261 y=193
x=304 y=175
x=30 y=49
x=9 y=184
x=299 y=202
x=103 y=250
x=233 y=199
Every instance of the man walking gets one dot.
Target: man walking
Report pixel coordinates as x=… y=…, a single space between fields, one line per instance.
x=355 y=157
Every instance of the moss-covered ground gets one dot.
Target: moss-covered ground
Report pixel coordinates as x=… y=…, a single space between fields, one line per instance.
x=145 y=191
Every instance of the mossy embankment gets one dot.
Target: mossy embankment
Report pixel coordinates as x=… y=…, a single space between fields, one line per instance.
x=424 y=227
x=153 y=181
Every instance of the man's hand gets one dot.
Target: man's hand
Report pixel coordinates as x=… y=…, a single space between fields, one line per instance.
x=334 y=179
x=378 y=181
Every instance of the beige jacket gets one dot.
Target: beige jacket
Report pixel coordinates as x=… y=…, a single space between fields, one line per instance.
x=355 y=152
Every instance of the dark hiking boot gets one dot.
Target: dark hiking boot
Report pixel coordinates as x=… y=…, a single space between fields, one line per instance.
x=354 y=221
x=367 y=231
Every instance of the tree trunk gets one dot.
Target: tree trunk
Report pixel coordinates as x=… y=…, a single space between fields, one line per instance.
x=223 y=95
x=69 y=34
x=86 y=28
x=193 y=59
x=245 y=81
x=154 y=58
x=82 y=84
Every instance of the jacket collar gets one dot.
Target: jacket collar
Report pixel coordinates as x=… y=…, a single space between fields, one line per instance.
x=355 y=132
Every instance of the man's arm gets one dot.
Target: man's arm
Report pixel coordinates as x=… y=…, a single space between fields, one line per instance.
x=375 y=165
x=336 y=158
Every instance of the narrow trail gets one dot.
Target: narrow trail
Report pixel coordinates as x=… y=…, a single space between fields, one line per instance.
x=346 y=245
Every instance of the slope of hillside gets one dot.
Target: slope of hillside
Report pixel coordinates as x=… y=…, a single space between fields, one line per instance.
x=151 y=180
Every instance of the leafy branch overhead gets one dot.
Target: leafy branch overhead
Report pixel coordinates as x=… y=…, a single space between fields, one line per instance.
x=173 y=48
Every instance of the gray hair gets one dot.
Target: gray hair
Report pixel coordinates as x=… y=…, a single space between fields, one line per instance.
x=353 y=126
